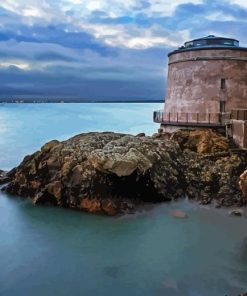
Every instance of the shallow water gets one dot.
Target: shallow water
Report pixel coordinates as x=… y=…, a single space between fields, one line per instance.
x=52 y=251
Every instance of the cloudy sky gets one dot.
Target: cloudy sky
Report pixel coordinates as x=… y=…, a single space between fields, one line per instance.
x=103 y=48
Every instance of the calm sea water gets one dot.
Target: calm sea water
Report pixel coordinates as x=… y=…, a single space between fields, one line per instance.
x=52 y=251
x=25 y=127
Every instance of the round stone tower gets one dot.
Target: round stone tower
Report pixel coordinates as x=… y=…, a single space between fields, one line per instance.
x=207 y=75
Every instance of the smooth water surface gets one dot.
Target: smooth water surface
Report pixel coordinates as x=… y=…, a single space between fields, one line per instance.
x=52 y=251
x=25 y=127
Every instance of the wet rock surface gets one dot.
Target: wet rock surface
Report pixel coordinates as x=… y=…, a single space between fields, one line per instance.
x=200 y=141
x=111 y=173
x=214 y=178
x=3 y=177
x=243 y=184
x=237 y=213
x=100 y=172
x=179 y=214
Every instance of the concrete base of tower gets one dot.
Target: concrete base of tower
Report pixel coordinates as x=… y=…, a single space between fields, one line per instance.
x=169 y=129
x=165 y=128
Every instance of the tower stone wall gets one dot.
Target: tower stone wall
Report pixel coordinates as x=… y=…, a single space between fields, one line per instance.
x=207 y=80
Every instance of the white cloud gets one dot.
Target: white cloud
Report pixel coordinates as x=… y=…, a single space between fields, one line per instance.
x=125 y=36
x=146 y=42
x=50 y=9
x=75 y=1
x=160 y=7
x=33 y=12
x=166 y=8
x=133 y=37
x=220 y=16
x=18 y=64
x=242 y=3
x=118 y=8
x=30 y=9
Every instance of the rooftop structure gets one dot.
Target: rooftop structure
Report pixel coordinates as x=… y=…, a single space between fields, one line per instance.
x=208 y=42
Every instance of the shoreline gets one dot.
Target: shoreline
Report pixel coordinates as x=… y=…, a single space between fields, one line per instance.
x=110 y=173
x=178 y=208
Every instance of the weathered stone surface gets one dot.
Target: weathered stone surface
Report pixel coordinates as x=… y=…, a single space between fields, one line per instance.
x=193 y=82
x=141 y=135
x=112 y=173
x=243 y=184
x=91 y=205
x=215 y=177
x=201 y=141
x=48 y=146
x=101 y=172
x=109 y=207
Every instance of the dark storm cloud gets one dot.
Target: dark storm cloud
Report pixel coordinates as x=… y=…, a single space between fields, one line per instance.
x=106 y=49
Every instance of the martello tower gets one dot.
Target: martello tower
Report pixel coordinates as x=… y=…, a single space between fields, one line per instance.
x=207 y=79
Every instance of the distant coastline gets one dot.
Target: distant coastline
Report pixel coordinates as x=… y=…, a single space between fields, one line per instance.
x=39 y=101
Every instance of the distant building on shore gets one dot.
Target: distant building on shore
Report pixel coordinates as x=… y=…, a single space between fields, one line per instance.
x=207 y=87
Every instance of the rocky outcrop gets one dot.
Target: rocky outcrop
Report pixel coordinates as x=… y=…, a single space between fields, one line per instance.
x=201 y=141
x=214 y=178
x=101 y=172
x=111 y=173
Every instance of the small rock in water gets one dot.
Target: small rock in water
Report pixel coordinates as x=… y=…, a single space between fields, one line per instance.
x=179 y=214
x=237 y=213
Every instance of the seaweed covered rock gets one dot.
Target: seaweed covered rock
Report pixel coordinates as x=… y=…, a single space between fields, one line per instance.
x=215 y=178
x=201 y=141
x=101 y=172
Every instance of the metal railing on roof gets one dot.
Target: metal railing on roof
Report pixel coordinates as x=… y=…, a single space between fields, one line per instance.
x=186 y=118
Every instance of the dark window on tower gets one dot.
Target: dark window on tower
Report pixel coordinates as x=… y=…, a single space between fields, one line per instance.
x=223 y=83
x=222 y=106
